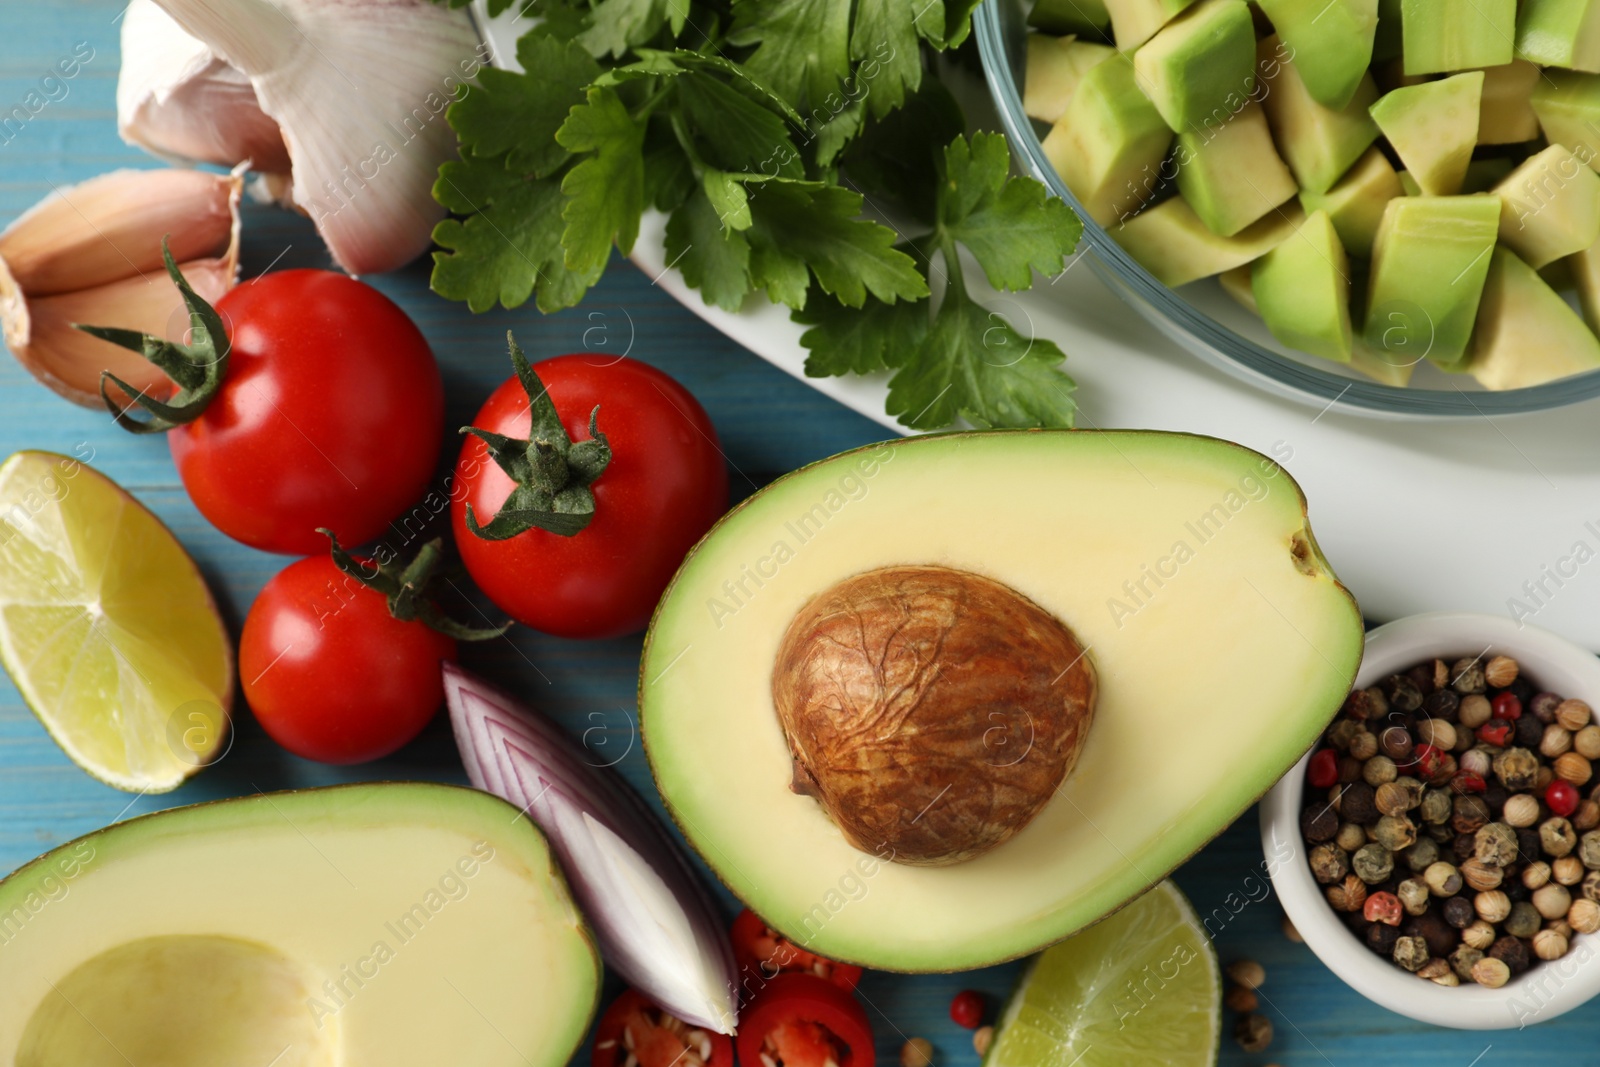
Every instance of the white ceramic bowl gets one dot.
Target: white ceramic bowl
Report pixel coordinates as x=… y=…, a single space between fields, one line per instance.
x=1546 y=990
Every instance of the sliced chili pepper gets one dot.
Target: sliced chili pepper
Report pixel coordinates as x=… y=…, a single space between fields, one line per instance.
x=634 y=1032
x=800 y=1020
x=762 y=953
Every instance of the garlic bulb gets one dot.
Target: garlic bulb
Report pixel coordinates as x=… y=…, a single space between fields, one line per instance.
x=358 y=90
x=177 y=100
x=92 y=253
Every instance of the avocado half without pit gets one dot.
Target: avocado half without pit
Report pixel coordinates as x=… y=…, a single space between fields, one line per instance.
x=932 y=712
x=396 y=924
x=941 y=702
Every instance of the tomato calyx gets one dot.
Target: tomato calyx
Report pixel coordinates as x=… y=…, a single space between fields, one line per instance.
x=552 y=472
x=405 y=588
x=197 y=368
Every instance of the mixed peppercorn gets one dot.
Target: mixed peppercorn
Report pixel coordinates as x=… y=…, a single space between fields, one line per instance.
x=1446 y=815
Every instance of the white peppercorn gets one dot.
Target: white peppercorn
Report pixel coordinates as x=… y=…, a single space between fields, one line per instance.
x=1474 y=711
x=1350 y=837
x=1552 y=901
x=1586 y=742
x=1443 y=880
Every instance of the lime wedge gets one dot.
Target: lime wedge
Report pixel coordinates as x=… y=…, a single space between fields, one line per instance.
x=107 y=627
x=1139 y=987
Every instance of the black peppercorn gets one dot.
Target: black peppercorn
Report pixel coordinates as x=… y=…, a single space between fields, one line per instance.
x=1464 y=846
x=1442 y=938
x=1528 y=846
x=1459 y=913
x=1513 y=952
x=1470 y=813
x=1421 y=676
x=1530 y=732
x=1401 y=692
x=1495 y=796
x=1380 y=938
x=1522 y=689
x=1358 y=804
x=1515 y=891
x=1319 y=824
x=1441 y=704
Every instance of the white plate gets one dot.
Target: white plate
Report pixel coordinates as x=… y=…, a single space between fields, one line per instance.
x=1494 y=515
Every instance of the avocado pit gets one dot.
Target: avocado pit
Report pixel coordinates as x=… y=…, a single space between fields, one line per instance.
x=931 y=712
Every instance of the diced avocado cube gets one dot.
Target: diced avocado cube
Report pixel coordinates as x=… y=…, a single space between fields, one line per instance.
x=1388 y=41
x=1071 y=16
x=1356 y=202
x=1201 y=65
x=1303 y=290
x=1318 y=142
x=1109 y=145
x=1526 y=334
x=1446 y=35
x=1055 y=67
x=1332 y=43
x=1136 y=21
x=1485 y=174
x=1232 y=175
x=1505 y=112
x=1433 y=127
x=1171 y=242
x=1428 y=266
x=1560 y=33
x=1409 y=184
x=1584 y=269
x=1568 y=105
x=1550 y=207
x=1236 y=283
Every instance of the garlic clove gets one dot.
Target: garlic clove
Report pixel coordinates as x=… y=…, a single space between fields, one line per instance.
x=91 y=253
x=179 y=101
x=110 y=227
x=69 y=361
x=359 y=91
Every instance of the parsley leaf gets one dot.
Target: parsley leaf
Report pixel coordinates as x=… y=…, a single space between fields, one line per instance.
x=816 y=226
x=739 y=134
x=615 y=26
x=712 y=260
x=974 y=364
x=605 y=193
x=517 y=115
x=509 y=243
x=1010 y=225
x=884 y=39
x=802 y=46
x=861 y=340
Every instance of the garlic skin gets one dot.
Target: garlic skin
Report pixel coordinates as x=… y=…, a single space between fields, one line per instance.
x=91 y=253
x=178 y=101
x=358 y=89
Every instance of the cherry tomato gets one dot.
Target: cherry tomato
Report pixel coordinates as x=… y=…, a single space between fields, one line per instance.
x=800 y=1020
x=331 y=414
x=634 y=1029
x=665 y=485
x=330 y=674
x=966 y=1009
x=761 y=952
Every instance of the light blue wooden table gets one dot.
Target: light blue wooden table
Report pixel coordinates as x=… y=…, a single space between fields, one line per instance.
x=769 y=424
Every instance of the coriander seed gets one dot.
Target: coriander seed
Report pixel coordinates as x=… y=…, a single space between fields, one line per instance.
x=1586 y=742
x=1253 y=1032
x=1587 y=815
x=1584 y=916
x=1246 y=973
x=1435 y=969
x=1568 y=870
x=1522 y=809
x=1549 y=945
x=1552 y=901
x=1573 y=715
x=1438 y=733
x=1492 y=905
x=1571 y=767
x=1240 y=999
x=1500 y=671
x=1491 y=972
x=1364 y=745
x=1556 y=740
x=1480 y=876
x=1449 y=978
x=1348 y=895
x=1560 y=926
x=1480 y=935
x=1536 y=874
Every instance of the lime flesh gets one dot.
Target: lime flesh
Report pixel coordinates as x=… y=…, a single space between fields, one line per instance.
x=1139 y=987
x=107 y=627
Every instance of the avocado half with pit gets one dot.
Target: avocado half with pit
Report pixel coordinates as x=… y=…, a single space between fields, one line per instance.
x=937 y=703
x=395 y=924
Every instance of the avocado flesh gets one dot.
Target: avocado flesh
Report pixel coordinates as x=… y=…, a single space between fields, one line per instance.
x=1560 y=33
x=1549 y=207
x=1302 y=289
x=1172 y=243
x=1356 y=202
x=1332 y=42
x=1318 y=142
x=1109 y=145
x=1071 y=16
x=1433 y=128
x=1568 y=106
x=1505 y=111
x=1200 y=68
x=1136 y=21
x=1428 y=267
x=1446 y=35
x=1232 y=175
x=705 y=680
x=1527 y=334
x=324 y=922
x=1584 y=268
x=1056 y=66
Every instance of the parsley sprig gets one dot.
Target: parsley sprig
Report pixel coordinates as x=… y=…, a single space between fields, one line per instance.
x=778 y=136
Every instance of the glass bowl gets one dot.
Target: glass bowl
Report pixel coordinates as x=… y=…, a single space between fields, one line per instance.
x=1205 y=320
